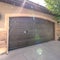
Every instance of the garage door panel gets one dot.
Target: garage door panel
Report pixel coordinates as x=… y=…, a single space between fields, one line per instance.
x=24 y=31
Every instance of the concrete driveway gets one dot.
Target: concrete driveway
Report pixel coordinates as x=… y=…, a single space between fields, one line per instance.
x=45 y=51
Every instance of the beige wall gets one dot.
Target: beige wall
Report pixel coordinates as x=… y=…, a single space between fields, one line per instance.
x=2 y=20
x=7 y=11
x=3 y=41
x=58 y=30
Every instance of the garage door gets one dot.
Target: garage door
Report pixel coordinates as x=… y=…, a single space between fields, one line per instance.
x=27 y=31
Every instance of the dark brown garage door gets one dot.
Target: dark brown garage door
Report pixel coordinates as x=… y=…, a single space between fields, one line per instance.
x=27 y=31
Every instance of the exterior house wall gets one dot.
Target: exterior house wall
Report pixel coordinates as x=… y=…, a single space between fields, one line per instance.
x=58 y=30
x=7 y=11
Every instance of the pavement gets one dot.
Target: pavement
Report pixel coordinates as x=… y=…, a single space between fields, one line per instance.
x=43 y=51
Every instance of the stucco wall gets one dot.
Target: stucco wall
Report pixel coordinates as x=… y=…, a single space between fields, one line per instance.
x=9 y=10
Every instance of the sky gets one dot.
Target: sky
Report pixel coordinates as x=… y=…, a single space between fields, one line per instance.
x=41 y=2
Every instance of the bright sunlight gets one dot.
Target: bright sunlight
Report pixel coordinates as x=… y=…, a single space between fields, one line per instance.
x=40 y=2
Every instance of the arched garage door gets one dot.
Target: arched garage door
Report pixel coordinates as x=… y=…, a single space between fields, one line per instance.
x=27 y=31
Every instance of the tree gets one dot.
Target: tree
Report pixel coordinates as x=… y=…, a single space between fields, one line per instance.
x=54 y=7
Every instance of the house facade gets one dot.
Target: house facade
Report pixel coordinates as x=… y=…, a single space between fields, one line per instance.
x=24 y=24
